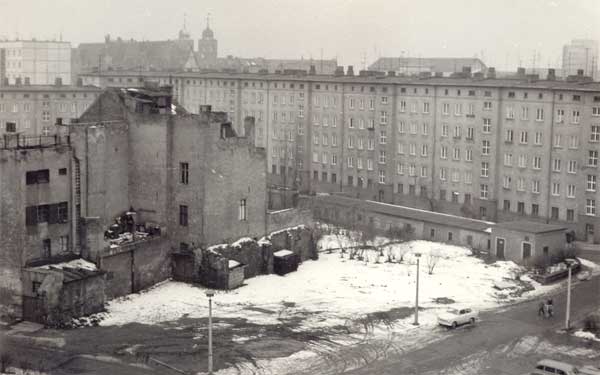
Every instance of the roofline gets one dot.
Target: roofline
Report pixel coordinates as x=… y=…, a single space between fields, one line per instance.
x=388 y=80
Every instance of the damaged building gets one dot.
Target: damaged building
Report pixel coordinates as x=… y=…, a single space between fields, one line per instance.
x=134 y=179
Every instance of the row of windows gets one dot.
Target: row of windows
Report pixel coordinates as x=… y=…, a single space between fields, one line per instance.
x=47 y=213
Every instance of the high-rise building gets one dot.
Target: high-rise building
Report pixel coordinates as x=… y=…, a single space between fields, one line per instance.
x=580 y=54
x=38 y=62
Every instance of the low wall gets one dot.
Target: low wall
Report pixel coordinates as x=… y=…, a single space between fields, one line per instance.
x=291 y=217
x=135 y=266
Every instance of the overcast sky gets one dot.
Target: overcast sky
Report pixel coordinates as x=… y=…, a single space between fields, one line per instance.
x=503 y=31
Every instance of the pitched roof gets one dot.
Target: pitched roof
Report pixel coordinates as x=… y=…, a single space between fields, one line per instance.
x=411 y=213
x=434 y=64
x=169 y=55
x=530 y=227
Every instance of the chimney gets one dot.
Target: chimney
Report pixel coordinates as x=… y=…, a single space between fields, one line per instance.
x=18 y=81
x=312 y=71
x=551 y=75
x=439 y=74
x=27 y=81
x=205 y=108
x=466 y=71
x=580 y=72
x=491 y=72
x=391 y=73
x=520 y=72
x=339 y=71
x=58 y=81
x=79 y=82
x=350 y=70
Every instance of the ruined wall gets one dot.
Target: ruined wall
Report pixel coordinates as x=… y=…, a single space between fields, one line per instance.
x=235 y=171
x=20 y=242
x=297 y=239
x=257 y=258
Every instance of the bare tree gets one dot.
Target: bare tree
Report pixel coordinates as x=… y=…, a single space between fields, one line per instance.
x=432 y=260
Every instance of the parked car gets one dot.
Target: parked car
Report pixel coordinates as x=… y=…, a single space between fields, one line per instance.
x=457 y=316
x=589 y=370
x=584 y=275
x=550 y=366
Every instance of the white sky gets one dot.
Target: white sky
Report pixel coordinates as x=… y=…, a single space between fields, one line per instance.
x=504 y=31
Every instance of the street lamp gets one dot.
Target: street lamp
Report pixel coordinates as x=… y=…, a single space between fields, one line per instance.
x=416 y=322
x=210 y=294
x=570 y=263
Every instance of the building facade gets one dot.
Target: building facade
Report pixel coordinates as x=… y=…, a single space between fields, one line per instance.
x=36 y=62
x=580 y=54
x=478 y=146
x=35 y=109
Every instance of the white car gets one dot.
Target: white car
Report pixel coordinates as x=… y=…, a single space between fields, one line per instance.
x=457 y=316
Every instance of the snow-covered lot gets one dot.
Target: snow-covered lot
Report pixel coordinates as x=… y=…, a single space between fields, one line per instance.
x=334 y=291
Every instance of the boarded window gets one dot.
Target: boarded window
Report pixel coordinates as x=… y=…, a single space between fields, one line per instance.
x=37 y=177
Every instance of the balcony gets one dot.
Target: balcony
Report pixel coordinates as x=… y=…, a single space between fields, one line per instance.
x=21 y=142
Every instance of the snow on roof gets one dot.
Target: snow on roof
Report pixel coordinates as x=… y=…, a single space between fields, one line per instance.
x=77 y=264
x=282 y=253
x=241 y=241
x=488 y=230
x=217 y=247
x=264 y=241
x=233 y=264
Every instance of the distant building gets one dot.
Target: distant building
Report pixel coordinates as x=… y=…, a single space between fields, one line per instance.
x=207 y=49
x=36 y=62
x=169 y=55
x=259 y=64
x=580 y=54
x=35 y=109
x=416 y=65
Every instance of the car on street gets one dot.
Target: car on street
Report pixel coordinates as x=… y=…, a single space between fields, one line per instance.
x=550 y=366
x=457 y=316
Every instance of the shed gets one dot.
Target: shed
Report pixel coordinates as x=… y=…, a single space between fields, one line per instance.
x=525 y=241
x=284 y=262
x=236 y=274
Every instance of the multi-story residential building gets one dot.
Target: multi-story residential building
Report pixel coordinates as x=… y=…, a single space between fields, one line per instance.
x=580 y=54
x=471 y=145
x=36 y=62
x=36 y=109
x=416 y=65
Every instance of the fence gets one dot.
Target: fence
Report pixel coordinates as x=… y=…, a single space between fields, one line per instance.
x=17 y=141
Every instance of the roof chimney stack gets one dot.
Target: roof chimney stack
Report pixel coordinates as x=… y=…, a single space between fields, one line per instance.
x=312 y=71
x=520 y=72
x=339 y=71
x=580 y=72
x=491 y=72
x=551 y=75
x=350 y=70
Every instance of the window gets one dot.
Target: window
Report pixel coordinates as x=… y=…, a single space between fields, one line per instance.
x=556 y=163
x=400 y=168
x=521 y=184
x=444 y=130
x=62 y=171
x=46 y=249
x=383 y=119
x=468 y=177
x=524 y=113
x=183 y=215
x=423 y=171
x=560 y=115
x=457 y=129
x=382 y=137
x=485 y=150
x=539 y=114
x=535 y=209
x=444 y=152
x=590 y=207
x=350 y=162
x=593 y=158
x=557 y=140
x=506 y=205
x=595 y=133
x=483 y=191
x=537 y=162
x=570 y=214
x=425 y=107
x=412 y=149
x=443 y=174
x=485 y=166
x=510 y=112
x=487 y=125
x=359 y=163
x=381 y=176
x=470 y=133
x=487 y=106
x=508 y=159
x=62 y=212
x=184 y=173
x=457 y=109
x=424 y=150
x=524 y=137
x=535 y=186
x=575 y=117
x=508 y=137
x=401 y=127
x=11 y=127
x=574 y=141
x=521 y=208
x=425 y=128
x=381 y=157
x=555 y=188
x=37 y=177
x=506 y=182
x=446 y=109
x=370 y=164
x=522 y=161
x=538 y=138
x=591 y=182
x=469 y=155
x=456 y=155
x=571 y=190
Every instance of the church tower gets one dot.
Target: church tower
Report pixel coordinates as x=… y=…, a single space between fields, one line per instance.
x=207 y=47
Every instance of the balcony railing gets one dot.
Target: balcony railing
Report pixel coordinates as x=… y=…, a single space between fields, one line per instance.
x=18 y=141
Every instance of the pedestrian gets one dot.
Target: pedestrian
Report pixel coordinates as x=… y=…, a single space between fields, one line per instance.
x=541 y=308
x=550 y=308
x=546 y=311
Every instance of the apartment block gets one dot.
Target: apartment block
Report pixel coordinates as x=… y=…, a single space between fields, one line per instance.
x=474 y=145
x=38 y=62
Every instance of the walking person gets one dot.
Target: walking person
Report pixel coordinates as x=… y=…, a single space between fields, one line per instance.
x=550 y=308
x=541 y=308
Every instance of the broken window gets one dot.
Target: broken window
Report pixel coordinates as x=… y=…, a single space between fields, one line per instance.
x=37 y=177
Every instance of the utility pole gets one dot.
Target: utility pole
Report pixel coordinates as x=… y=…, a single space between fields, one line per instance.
x=416 y=322
x=568 y=314
x=210 y=294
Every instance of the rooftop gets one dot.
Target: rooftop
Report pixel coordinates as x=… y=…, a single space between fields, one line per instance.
x=523 y=82
x=49 y=88
x=530 y=227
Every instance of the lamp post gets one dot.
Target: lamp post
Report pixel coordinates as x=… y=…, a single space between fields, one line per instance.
x=210 y=294
x=416 y=322
x=570 y=263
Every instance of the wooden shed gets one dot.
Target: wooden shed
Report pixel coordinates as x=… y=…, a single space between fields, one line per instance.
x=284 y=262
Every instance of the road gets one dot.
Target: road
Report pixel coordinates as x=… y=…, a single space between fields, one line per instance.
x=505 y=341
x=492 y=342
